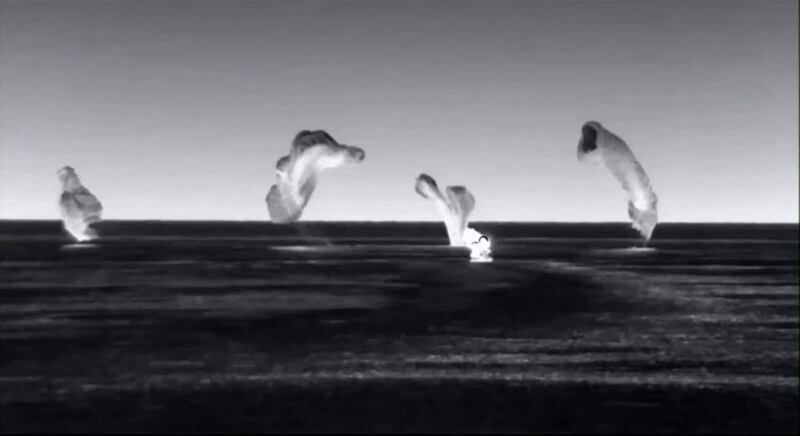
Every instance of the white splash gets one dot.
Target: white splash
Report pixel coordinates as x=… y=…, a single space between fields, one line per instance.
x=480 y=248
x=311 y=153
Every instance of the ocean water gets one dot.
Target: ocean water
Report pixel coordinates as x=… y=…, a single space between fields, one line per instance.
x=210 y=326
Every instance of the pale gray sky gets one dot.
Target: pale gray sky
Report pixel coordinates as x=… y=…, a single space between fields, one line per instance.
x=179 y=109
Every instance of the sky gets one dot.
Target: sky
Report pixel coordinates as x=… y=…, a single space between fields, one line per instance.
x=180 y=109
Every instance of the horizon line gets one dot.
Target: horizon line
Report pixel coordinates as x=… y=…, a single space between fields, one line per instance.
x=399 y=221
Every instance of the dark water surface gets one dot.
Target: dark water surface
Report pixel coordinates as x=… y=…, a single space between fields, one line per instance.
x=381 y=327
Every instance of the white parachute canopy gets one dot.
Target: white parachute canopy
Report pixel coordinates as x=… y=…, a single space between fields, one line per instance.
x=311 y=152
x=454 y=208
x=79 y=207
x=599 y=144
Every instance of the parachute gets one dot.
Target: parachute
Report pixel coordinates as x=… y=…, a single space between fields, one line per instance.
x=599 y=144
x=297 y=172
x=454 y=208
x=79 y=207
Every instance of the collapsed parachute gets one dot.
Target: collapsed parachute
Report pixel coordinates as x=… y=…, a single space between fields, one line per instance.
x=79 y=207
x=454 y=210
x=311 y=152
x=598 y=143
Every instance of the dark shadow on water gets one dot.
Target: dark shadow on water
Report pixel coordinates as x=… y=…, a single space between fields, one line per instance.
x=468 y=303
x=407 y=406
